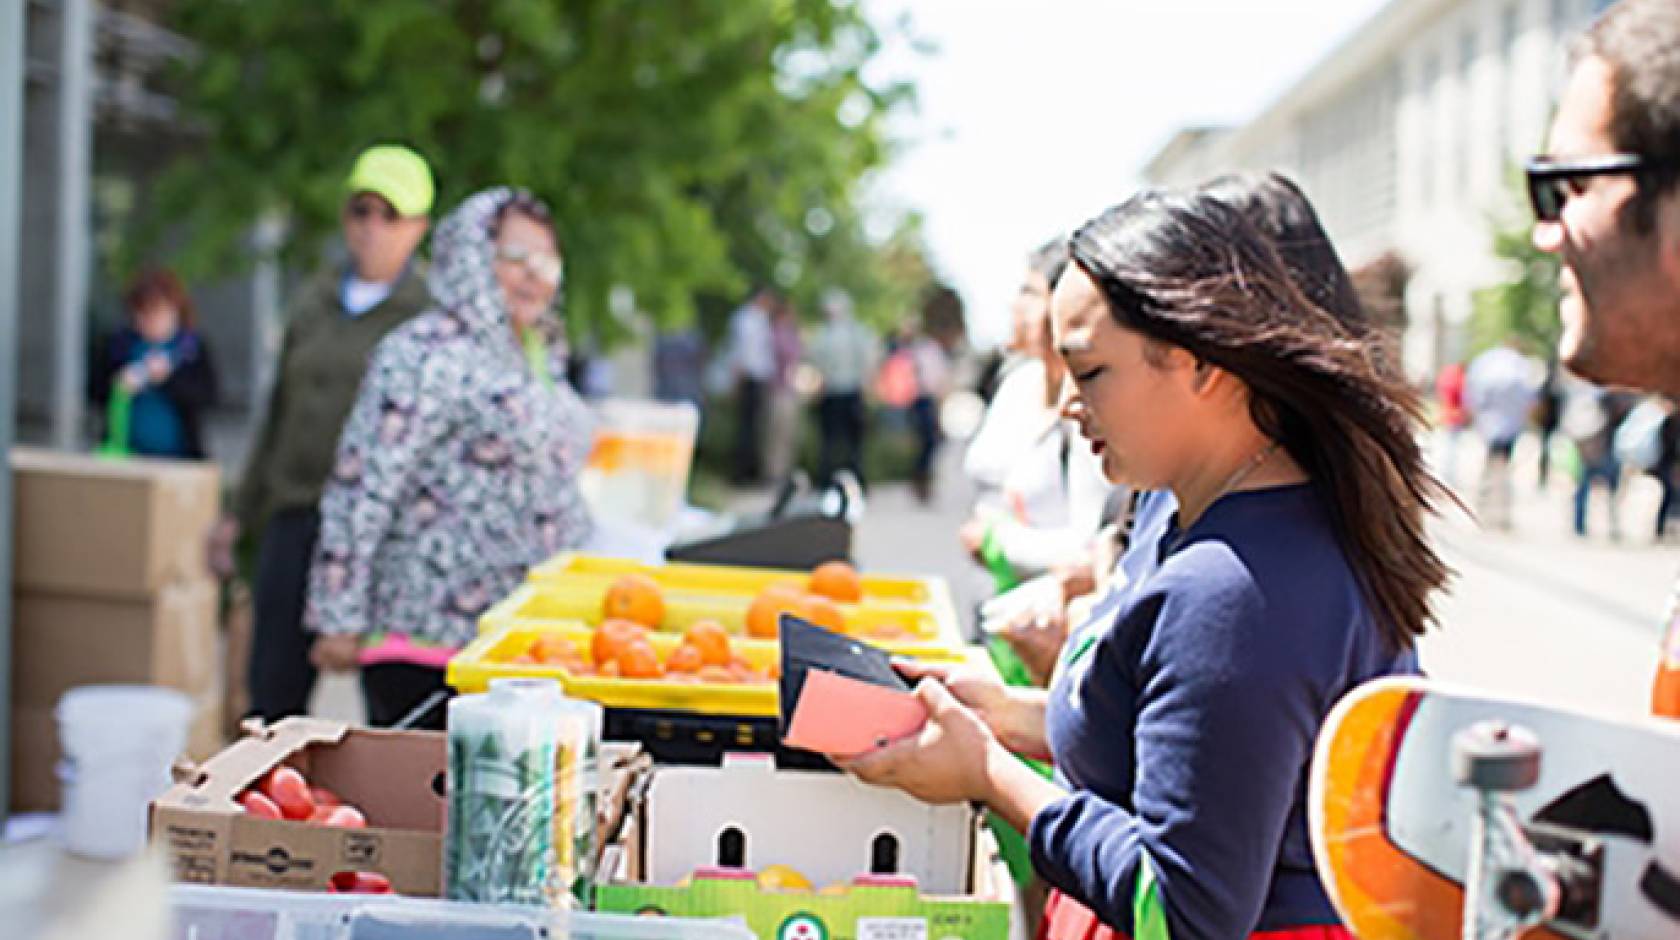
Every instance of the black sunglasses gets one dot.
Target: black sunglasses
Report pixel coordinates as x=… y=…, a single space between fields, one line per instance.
x=1552 y=182
x=361 y=209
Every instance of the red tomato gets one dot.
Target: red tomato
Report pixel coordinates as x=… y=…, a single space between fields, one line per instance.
x=359 y=882
x=345 y=817
x=324 y=797
x=259 y=806
x=289 y=791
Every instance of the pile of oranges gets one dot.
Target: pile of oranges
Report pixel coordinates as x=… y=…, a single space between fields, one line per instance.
x=831 y=583
x=620 y=649
x=634 y=604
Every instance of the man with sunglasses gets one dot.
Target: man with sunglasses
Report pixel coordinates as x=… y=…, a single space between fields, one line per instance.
x=1606 y=197
x=332 y=326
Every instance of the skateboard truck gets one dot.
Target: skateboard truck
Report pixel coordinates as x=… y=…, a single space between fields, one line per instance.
x=1518 y=876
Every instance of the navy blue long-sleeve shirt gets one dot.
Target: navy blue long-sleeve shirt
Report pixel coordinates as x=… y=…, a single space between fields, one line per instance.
x=1182 y=718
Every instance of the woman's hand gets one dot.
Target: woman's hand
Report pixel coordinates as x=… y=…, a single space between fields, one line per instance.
x=158 y=368
x=339 y=652
x=972 y=535
x=1014 y=717
x=947 y=761
x=219 y=551
x=132 y=379
x=1037 y=637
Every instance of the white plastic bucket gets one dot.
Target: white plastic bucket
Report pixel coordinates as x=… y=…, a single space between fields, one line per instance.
x=119 y=742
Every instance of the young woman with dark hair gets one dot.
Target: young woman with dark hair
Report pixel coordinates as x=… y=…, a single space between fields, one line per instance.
x=1295 y=567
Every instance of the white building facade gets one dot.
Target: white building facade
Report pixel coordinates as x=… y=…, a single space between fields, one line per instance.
x=1409 y=138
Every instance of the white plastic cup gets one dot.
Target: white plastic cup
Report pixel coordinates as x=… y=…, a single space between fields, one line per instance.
x=119 y=742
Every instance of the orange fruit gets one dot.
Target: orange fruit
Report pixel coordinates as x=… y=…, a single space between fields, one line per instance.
x=718 y=674
x=710 y=639
x=611 y=637
x=552 y=648
x=634 y=597
x=638 y=661
x=685 y=658
x=744 y=673
x=837 y=581
x=822 y=612
x=767 y=608
x=608 y=669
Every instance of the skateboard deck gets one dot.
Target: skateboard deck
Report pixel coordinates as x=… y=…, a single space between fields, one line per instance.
x=1393 y=828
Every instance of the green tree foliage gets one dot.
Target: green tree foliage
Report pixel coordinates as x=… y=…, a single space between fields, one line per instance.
x=1526 y=303
x=692 y=149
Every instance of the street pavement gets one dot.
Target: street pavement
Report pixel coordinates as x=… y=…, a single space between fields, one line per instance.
x=1539 y=613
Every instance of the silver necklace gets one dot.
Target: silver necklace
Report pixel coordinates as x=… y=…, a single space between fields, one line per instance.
x=1231 y=483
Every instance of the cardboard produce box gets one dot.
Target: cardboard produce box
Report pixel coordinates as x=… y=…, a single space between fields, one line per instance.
x=725 y=841
x=121 y=528
x=64 y=640
x=395 y=777
x=36 y=753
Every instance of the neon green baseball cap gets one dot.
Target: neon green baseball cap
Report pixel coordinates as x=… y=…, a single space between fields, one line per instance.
x=396 y=173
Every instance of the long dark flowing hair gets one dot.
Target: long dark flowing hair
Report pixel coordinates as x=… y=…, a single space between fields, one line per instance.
x=1188 y=270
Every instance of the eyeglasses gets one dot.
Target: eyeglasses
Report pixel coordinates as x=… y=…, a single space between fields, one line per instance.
x=1552 y=182
x=362 y=209
x=543 y=266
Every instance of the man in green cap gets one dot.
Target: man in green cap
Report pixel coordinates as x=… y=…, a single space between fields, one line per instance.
x=332 y=326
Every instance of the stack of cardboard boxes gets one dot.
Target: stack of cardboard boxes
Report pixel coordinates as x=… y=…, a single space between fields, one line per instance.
x=110 y=584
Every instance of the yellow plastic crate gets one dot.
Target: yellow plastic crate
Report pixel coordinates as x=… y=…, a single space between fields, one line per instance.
x=921 y=606
x=490 y=657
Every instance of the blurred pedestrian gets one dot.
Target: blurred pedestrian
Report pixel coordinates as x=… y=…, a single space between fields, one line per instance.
x=1548 y=413
x=332 y=326
x=458 y=469
x=1454 y=417
x=931 y=361
x=781 y=431
x=1049 y=502
x=1018 y=396
x=1499 y=392
x=1590 y=418
x=752 y=366
x=844 y=352
x=1666 y=463
x=153 y=374
x=679 y=365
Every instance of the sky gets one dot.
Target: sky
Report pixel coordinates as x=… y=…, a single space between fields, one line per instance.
x=1035 y=115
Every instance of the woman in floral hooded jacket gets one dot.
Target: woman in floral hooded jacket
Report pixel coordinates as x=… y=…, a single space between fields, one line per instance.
x=458 y=468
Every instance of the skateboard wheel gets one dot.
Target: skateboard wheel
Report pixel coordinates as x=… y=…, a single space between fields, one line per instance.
x=1523 y=894
x=1496 y=755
